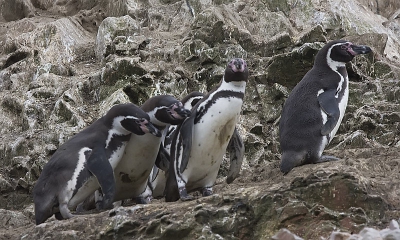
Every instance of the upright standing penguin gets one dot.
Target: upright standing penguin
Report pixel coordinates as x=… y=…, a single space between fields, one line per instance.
x=157 y=178
x=132 y=172
x=90 y=154
x=315 y=108
x=201 y=140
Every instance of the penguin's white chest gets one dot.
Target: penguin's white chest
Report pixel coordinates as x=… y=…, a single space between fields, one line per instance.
x=134 y=168
x=211 y=136
x=343 y=91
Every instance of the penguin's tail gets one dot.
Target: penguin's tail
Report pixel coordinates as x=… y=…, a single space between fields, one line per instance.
x=171 y=191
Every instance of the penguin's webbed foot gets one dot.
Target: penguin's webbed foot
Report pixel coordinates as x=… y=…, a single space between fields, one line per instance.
x=327 y=158
x=64 y=212
x=207 y=191
x=184 y=195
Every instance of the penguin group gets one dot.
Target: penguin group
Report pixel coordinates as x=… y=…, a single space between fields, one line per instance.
x=118 y=157
x=170 y=148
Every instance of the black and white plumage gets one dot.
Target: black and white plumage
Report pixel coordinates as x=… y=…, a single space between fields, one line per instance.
x=141 y=154
x=157 y=178
x=90 y=154
x=315 y=108
x=201 y=140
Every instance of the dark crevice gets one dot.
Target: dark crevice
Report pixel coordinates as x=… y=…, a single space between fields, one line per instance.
x=14 y=58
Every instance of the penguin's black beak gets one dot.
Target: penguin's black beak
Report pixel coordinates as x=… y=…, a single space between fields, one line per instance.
x=183 y=112
x=360 y=49
x=152 y=129
x=177 y=111
x=239 y=65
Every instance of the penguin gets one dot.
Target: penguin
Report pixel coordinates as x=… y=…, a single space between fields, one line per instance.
x=312 y=113
x=202 y=139
x=142 y=152
x=157 y=178
x=91 y=153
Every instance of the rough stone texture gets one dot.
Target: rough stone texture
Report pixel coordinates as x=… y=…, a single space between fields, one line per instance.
x=63 y=64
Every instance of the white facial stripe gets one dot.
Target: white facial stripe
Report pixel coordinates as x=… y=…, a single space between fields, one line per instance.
x=188 y=104
x=117 y=128
x=334 y=65
x=71 y=184
x=152 y=115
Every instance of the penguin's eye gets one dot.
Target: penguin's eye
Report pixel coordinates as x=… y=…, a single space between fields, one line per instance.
x=343 y=47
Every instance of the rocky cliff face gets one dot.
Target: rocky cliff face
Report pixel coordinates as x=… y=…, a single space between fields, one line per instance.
x=64 y=63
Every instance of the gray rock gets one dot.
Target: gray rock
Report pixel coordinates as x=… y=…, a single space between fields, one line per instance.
x=285 y=234
x=52 y=85
x=17 y=9
x=13 y=219
x=114 y=32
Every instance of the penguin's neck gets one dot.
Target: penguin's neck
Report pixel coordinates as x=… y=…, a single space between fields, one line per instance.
x=235 y=86
x=116 y=130
x=153 y=119
x=332 y=64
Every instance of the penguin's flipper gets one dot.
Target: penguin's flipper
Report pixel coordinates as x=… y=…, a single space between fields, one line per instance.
x=236 y=154
x=99 y=165
x=153 y=174
x=185 y=137
x=329 y=105
x=163 y=158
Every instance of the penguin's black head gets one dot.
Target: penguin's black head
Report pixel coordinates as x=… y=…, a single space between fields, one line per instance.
x=236 y=71
x=132 y=119
x=341 y=51
x=140 y=126
x=165 y=110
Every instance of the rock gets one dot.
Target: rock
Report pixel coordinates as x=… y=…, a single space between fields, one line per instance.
x=393 y=225
x=114 y=9
x=5 y=186
x=289 y=68
x=315 y=34
x=117 y=34
x=285 y=234
x=339 y=236
x=16 y=10
x=62 y=67
x=13 y=219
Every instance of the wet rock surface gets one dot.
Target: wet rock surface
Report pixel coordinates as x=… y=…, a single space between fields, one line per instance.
x=63 y=64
